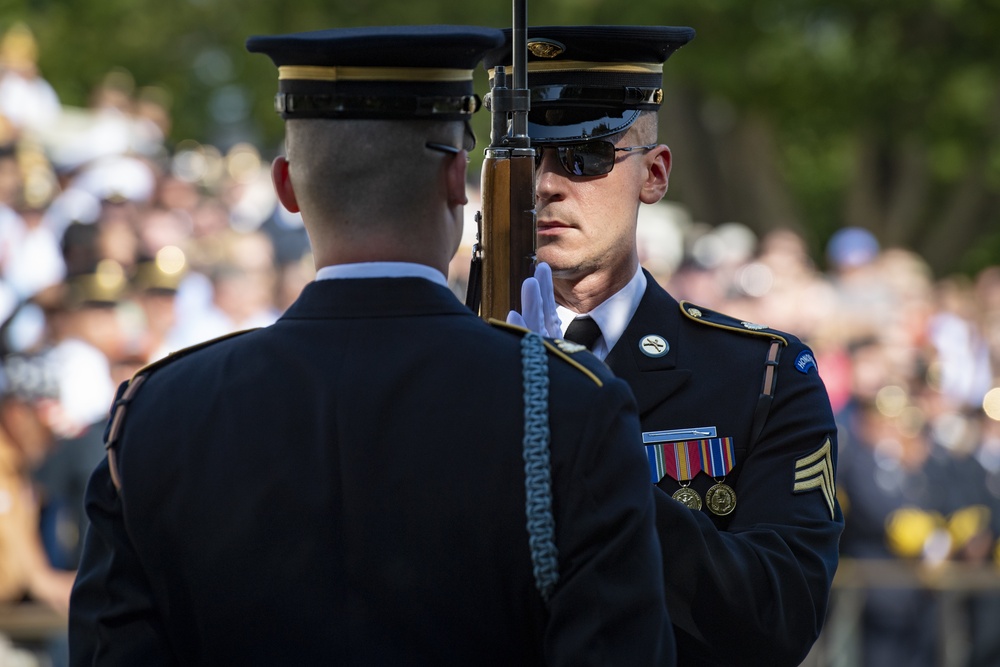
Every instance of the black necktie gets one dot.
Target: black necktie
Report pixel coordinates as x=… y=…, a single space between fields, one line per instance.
x=583 y=330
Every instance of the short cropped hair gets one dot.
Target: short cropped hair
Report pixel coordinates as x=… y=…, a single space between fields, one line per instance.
x=352 y=172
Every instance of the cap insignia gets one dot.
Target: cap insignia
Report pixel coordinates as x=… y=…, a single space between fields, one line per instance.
x=545 y=48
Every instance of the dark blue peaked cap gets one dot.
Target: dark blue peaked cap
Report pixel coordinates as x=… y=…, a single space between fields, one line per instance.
x=589 y=82
x=384 y=72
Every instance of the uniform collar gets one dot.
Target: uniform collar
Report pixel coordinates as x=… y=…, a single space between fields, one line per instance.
x=375 y=297
x=653 y=377
x=381 y=270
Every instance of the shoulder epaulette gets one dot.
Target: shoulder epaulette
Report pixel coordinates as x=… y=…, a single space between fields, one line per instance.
x=558 y=347
x=132 y=387
x=714 y=319
x=184 y=351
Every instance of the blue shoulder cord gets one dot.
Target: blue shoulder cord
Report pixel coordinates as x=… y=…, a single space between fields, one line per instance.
x=537 y=470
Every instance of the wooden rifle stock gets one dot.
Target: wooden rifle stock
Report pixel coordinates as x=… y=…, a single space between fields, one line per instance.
x=506 y=248
x=507 y=241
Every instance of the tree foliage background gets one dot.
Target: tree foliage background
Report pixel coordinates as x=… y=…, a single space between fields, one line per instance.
x=812 y=114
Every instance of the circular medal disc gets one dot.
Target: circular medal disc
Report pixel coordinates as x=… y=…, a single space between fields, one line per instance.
x=721 y=499
x=688 y=497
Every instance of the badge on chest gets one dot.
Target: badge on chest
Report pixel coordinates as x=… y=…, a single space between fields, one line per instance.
x=683 y=453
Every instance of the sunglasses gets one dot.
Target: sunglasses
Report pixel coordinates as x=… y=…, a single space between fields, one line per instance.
x=588 y=158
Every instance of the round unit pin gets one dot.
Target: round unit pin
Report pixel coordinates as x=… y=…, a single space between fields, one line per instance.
x=654 y=345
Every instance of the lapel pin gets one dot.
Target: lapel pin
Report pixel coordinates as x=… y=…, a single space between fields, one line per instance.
x=654 y=346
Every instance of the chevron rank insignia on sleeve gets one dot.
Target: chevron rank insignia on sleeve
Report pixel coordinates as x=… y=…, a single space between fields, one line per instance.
x=815 y=471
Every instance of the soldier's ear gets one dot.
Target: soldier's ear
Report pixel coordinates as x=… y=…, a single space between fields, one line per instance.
x=455 y=176
x=283 y=184
x=658 y=161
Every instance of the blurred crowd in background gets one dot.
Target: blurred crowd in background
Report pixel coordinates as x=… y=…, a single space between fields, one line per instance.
x=119 y=245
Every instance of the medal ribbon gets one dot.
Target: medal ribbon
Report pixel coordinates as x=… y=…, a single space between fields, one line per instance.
x=680 y=461
x=718 y=456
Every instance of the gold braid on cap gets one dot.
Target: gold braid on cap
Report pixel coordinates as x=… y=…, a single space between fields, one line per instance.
x=321 y=73
x=585 y=66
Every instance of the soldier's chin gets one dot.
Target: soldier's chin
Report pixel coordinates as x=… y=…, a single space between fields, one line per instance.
x=562 y=269
x=545 y=253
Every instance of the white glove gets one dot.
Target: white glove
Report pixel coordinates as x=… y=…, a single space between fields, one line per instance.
x=538 y=303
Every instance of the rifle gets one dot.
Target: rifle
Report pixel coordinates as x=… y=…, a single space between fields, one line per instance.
x=504 y=255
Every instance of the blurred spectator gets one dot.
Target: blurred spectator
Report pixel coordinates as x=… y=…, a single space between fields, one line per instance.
x=209 y=218
x=86 y=339
x=862 y=298
x=984 y=609
x=178 y=194
x=152 y=120
x=158 y=227
x=706 y=274
x=987 y=295
x=904 y=493
x=30 y=259
x=155 y=286
x=28 y=393
x=789 y=290
x=27 y=101
x=963 y=356
x=241 y=269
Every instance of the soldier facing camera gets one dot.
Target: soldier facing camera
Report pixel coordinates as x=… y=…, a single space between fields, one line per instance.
x=739 y=432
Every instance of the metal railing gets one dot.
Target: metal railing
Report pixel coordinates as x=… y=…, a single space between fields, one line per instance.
x=951 y=584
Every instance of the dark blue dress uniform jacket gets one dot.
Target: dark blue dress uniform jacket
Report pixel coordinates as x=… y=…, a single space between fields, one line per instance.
x=347 y=487
x=750 y=588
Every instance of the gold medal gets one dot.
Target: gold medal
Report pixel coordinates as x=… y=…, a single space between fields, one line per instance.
x=721 y=499
x=688 y=497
